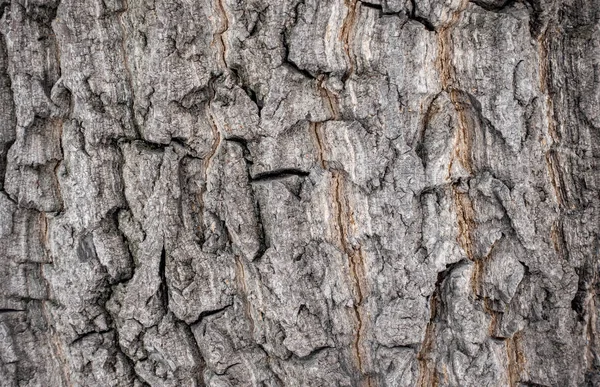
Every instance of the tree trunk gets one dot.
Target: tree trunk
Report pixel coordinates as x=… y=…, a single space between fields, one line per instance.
x=299 y=193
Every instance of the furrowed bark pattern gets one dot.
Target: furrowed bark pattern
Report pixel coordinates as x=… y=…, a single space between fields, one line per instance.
x=300 y=193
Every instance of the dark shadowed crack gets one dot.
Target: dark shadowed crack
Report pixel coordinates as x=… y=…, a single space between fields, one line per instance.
x=278 y=174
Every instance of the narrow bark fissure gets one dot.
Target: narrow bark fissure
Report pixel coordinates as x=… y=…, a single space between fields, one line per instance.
x=515 y=358
x=461 y=150
x=221 y=31
x=356 y=265
x=549 y=144
x=129 y=74
x=240 y=276
x=494 y=7
x=208 y=313
x=9 y=310
x=378 y=7
x=206 y=162
x=346 y=36
x=162 y=273
x=215 y=145
x=343 y=218
x=57 y=347
x=57 y=166
x=278 y=174
x=332 y=101
x=315 y=128
x=85 y=335
x=591 y=323
x=461 y=153
x=557 y=235
x=464 y=216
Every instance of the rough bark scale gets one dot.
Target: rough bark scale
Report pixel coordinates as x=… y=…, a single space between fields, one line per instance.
x=299 y=193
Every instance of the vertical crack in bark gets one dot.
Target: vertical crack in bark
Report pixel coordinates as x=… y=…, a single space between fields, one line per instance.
x=427 y=373
x=162 y=273
x=466 y=225
x=332 y=101
x=556 y=179
x=218 y=36
x=477 y=289
x=206 y=162
x=315 y=128
x=215 y=145
x=464 y=209
x=45 y=236
x=592 y=317
x=59 y=163
x=558 y=239
x=126 y=65
x=344 y=219
x=240 y=276
x=345 y=35
x=516 y=359
x=463 y=139
x=545 y=79
x=55 y=342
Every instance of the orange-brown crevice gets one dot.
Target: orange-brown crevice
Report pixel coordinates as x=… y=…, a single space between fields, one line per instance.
x=332 y=101
x=123 y=48
x=315 y=128
x=344 y=220
x=477 y=289
x=240 y=276
x=461 y=153
x=346 y=35
x=218 y=37
x=463 y=139
x=516 y=359
x=206 y=162
x=558 y=239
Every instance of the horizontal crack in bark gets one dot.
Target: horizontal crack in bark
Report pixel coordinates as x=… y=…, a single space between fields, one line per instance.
x=278 y=174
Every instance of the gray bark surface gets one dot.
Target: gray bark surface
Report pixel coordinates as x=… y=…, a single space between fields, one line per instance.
x=299 y=193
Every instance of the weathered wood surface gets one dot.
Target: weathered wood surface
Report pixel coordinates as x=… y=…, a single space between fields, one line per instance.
x=299 y=192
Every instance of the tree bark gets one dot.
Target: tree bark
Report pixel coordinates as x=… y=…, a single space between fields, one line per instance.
x=299 y=192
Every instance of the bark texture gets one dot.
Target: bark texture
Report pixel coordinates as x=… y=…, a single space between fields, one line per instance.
x=299 y=192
